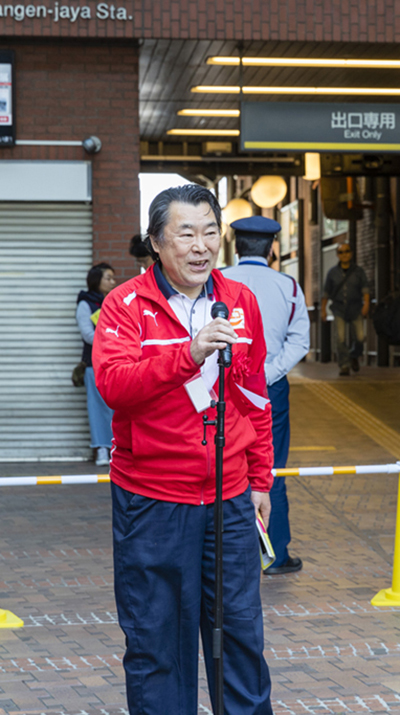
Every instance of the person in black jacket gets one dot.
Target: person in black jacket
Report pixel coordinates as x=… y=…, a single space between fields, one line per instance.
x=100 y=281
x=346 y=286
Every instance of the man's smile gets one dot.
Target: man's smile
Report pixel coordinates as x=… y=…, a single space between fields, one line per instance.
x=199 y=265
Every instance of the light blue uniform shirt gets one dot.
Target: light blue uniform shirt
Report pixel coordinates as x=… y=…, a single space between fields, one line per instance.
x=286 y=343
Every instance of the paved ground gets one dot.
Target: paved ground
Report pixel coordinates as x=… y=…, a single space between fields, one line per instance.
x=328 y=649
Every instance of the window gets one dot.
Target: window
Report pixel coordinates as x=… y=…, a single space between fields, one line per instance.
x=289 y=236
x=333 y=227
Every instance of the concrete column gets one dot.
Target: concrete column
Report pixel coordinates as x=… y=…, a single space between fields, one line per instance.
x=353 y=238
x=397 y=237
x=382 y=270
x=300 y=250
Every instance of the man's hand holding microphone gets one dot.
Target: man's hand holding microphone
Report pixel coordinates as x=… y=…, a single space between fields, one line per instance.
x=214 y=336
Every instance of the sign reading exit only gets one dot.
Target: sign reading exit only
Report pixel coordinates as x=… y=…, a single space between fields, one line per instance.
x=313 y=126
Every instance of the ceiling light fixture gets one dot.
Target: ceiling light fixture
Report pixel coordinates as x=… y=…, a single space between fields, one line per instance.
x=312 y=165
x=304 y=62
x=236 y=209
x=221 y=89
x=205 y=132
x=235 y=61
x=359 y=91
x=209 y=113
x=268 y=191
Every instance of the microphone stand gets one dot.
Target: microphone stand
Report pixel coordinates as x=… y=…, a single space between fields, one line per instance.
x=218 y=640
x=218 y=644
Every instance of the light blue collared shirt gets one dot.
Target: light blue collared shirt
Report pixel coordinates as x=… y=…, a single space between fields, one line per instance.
x=287 y=343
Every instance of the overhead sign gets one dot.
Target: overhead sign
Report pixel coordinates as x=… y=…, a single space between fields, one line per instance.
x=317 y=126
x=7 y=124
x=60 y=12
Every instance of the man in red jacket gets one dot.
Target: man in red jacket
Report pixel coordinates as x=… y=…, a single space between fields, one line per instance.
x=155 y=358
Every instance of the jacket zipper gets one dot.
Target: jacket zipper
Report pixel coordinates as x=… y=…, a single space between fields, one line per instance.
x=208 y=471
x=208 y=462
x=208 y=456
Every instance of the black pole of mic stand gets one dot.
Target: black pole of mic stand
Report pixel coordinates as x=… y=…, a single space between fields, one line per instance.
x=219 y=310
x=218 y=645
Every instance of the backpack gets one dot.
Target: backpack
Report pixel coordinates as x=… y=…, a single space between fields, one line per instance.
x=386 y=318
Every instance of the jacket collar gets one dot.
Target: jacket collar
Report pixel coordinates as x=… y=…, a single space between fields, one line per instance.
x=253 y=259
x=90 y=296
x=146 y=286
x=227 y=290
x=167 y=290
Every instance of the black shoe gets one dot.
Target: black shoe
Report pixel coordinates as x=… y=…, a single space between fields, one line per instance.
x=355 y=365
x=344 y=371
x=289 y=566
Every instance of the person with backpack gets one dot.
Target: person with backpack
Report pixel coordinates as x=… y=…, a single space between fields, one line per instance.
x=100 y=281
x=346 y=285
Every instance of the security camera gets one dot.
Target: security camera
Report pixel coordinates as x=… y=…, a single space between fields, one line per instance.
x=92 y=145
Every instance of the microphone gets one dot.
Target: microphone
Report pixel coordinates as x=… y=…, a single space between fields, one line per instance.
x=220 y=310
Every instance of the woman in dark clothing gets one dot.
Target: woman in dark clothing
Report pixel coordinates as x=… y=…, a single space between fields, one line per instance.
x=100 y=280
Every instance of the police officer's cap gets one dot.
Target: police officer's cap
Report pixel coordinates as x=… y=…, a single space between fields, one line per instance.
x=257 y=227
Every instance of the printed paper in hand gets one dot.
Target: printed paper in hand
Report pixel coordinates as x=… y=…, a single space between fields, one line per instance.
x=267 y=554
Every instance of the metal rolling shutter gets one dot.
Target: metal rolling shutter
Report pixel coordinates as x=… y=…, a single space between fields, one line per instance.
x=45 y=253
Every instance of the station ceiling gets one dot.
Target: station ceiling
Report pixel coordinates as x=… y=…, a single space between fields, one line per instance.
x=170 y=68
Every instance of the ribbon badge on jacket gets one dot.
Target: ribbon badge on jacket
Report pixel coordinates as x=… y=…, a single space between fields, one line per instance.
x=247 y=389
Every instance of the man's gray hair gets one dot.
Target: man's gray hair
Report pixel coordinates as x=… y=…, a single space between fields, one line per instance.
x=188 y=194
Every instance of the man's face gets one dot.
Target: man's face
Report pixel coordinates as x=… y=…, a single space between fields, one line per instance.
x=344 y=254
x=190 y=248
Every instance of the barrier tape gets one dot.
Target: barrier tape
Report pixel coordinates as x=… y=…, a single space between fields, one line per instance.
x=299 y=472
x=57 y=479
x=385 y=597
x=330 y=471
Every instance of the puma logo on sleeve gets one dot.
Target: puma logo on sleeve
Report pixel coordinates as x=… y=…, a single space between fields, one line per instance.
x=129 y=298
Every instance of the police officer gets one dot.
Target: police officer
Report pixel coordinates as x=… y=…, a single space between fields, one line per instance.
x=286 y=330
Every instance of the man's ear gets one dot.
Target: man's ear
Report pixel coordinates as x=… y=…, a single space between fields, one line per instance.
x=154 y=245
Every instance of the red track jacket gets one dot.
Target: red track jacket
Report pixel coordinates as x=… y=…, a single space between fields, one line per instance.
x=141 y=365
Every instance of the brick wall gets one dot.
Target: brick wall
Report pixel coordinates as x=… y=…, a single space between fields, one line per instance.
x=71 y=91
x=286 y=20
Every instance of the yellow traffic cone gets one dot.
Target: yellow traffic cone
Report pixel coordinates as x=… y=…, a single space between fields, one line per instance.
x=9 y=620
x=391 y=596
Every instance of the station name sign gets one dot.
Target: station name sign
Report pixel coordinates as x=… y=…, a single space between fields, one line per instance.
x=63 y=12
x=319 y=126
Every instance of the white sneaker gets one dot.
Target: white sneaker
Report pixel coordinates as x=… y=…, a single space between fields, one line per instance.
x=102 y=458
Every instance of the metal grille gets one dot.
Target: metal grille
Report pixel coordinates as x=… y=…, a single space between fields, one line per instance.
x=45 y=253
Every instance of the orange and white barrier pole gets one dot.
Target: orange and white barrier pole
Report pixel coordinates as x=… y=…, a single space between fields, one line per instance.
x=57 y=479
x=298 y=472
x=385 y=597
x=331 y=471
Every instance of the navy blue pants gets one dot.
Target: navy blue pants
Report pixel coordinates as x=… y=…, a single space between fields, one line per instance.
x=279 y=529
x=164 y=586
